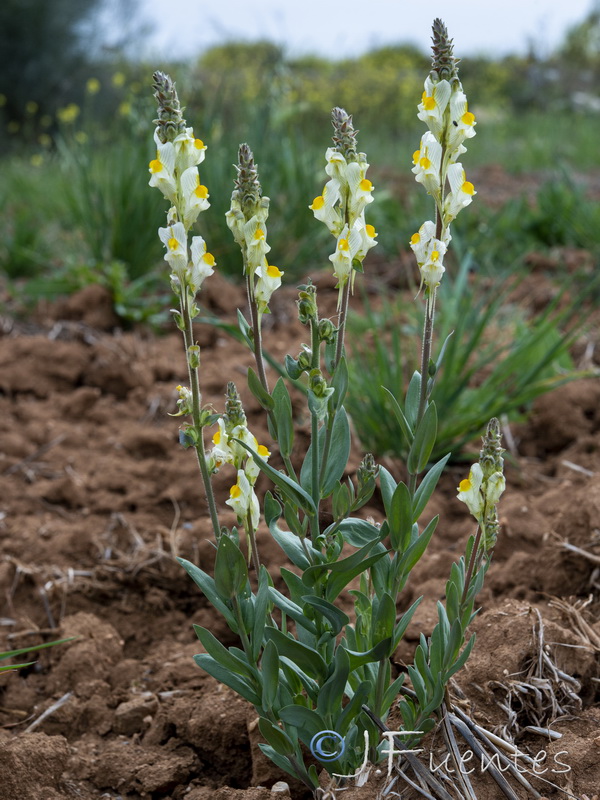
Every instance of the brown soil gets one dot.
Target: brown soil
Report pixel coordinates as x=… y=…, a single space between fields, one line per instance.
x=98 y=498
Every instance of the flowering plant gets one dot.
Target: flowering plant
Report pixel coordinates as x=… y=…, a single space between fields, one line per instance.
x=312 y=669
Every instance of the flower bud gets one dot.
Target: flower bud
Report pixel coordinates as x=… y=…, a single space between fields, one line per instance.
x=307 y=303
x=248 y=191
x=327 y=331
x=194 y=356
x=344 y=136
x=170 y=122
x=367 y=471
x=234 y=412
x=305 y=358
x=444 y=65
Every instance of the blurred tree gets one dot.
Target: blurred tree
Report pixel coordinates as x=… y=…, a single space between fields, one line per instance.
x=46 y=48
x=582 y=42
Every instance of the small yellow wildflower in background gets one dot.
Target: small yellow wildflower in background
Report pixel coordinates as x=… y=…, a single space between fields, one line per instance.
x=45 y=140
x=45 y=120
x=13 y=126
x=31 y=107
x=118 y=79
x=93 y=86
x=125 y=108
x=68 y=114
x=2 y=100
x=36 y=160
x=81 y=137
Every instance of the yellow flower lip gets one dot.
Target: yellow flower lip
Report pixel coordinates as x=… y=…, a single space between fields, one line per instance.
x=263 y=451
x=318 y=203
x=273 y=271
x=468 y=188
x=201 y=191
x=366 y=185
x=235 y=491
x=217 y=437
x=155 y=165
x=465 y=485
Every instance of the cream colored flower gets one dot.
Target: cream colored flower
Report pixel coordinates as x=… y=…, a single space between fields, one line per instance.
x=433 y=105
x=461 y=192
x=243 y=500
x=194 y=196
x=202 y=264
x=269 y=279
x=189 y=151
x=174 y=238
x=427 y=162
x=469 y=491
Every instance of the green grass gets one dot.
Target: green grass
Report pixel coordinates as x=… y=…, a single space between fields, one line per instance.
x=497 y=360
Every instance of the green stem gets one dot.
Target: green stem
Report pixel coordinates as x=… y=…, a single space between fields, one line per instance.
x=188 y=339
x=256 y=334
x=339 y=346
x=425 y=357
x=339 y=349
x=471 y=566
x=252 y=538
x=326 y=446
x=314 y=431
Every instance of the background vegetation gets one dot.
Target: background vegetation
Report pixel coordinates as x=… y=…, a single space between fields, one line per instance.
x=75 y=136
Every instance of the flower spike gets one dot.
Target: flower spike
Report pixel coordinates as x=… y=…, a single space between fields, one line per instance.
x=170 y=122
x=444 y=65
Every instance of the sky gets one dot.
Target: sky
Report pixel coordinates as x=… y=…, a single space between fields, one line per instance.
x=346 y=28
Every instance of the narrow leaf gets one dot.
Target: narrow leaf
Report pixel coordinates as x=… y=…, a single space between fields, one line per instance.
x=402 y=421
x=259 y=391
x=269 y=667
x=208 y=588
x=282 y=410
x=224 y=675
x=420 y=451
x=305 y=657
x=427 y=487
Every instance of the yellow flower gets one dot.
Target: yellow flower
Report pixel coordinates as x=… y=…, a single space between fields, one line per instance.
x=81 y=137
x=37 y=160
x=118 y=79
x=31 y=107
x=125 y=108
x=93 y=86
x=68 y=114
